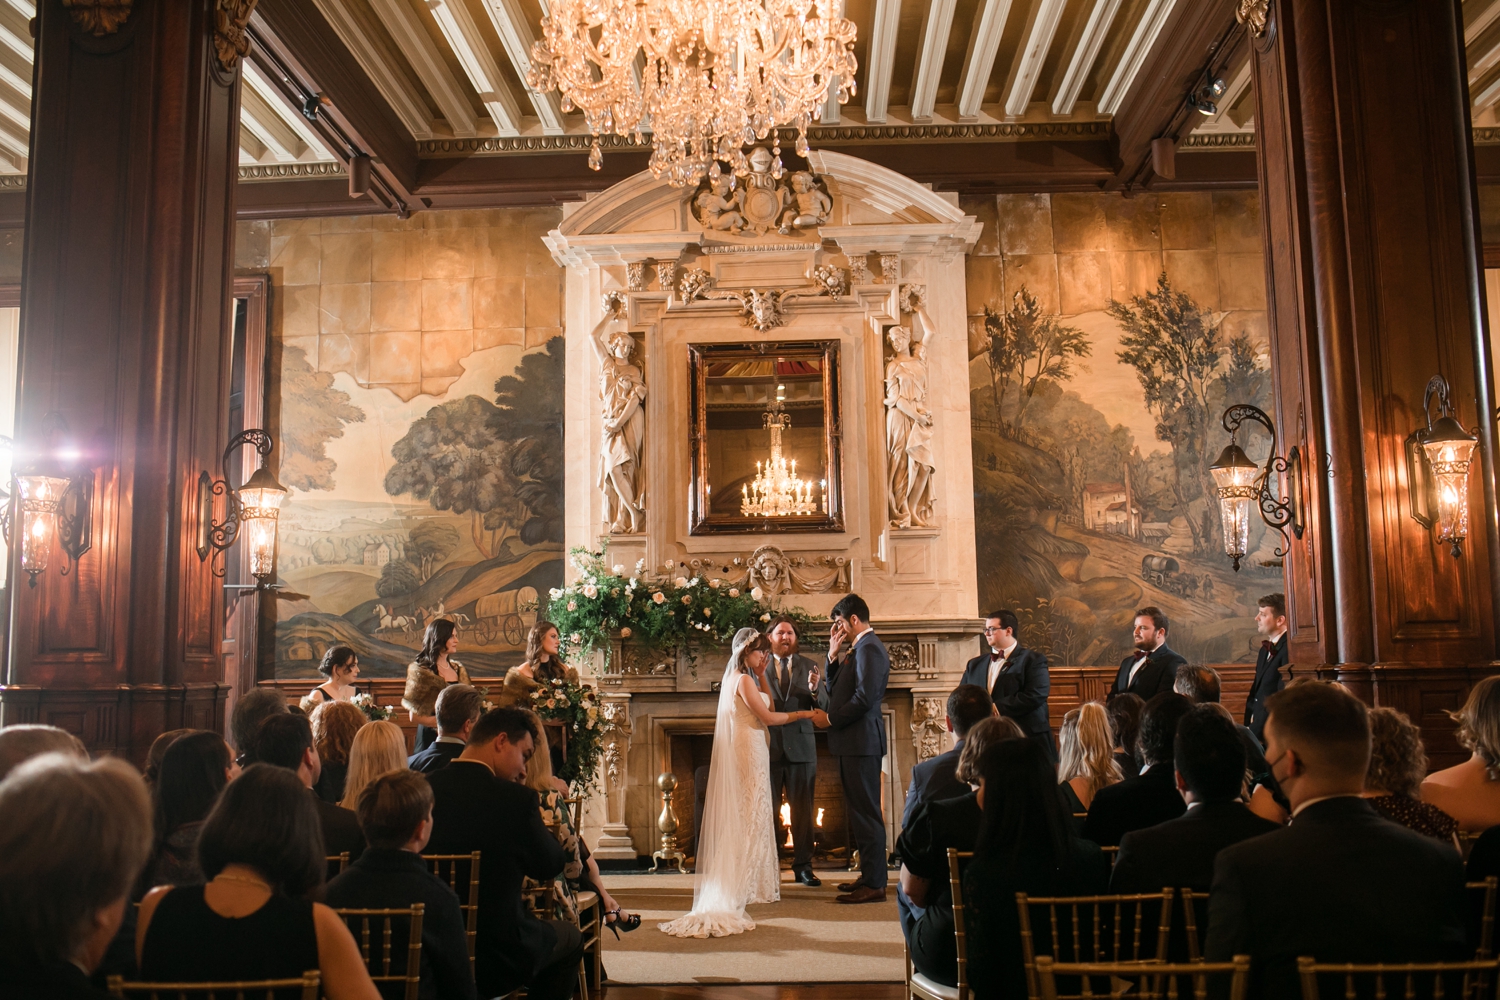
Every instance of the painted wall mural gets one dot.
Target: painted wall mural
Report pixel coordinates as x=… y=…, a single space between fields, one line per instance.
x=417 y=398
x=1107 y=336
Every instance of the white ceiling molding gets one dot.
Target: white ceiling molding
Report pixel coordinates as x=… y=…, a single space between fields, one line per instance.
x=15 y=71
x=251 y=148
x=15 y=33
x=1238 y=84
x=405 y=101
x=427 y=62
x=14 y=139
x=984 y=43
x=931 y=48
x=881 y=59
x=1084 y=54
x=15 y=107
x=1044 y=21
x=1481 y=23
x=291 y=117
x=1488 y=95
x=833 y=112
x=1487 y=60
x=26 y=7
x=1142 y=41
x=266 y=125
x=516 y=38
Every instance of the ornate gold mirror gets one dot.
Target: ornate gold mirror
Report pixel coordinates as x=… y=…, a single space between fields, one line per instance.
x=765 y=437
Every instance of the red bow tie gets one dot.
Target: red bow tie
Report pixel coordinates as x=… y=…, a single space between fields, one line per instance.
x=1268 y=645
x=997 y=657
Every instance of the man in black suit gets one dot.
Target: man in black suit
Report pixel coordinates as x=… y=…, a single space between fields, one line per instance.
x=1151 y=669
x=286 y=740
x=479 y=804
x=1341 y=883
x=934 y=779
x=1210 y=770
x=1202 y=686
x=1016 y=679
x=1152 y=796
x=395 y=813
x=1270 y=625
x=793 y=679
x=458 y=708
x=856 y=736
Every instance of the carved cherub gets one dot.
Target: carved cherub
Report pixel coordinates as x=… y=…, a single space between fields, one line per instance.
x=718 y=207
x=812 y=205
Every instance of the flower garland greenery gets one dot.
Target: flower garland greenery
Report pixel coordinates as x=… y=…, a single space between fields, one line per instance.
x=577 y=708
x=658 y=612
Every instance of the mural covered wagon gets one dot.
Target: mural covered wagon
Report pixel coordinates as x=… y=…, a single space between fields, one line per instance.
x=506 y=616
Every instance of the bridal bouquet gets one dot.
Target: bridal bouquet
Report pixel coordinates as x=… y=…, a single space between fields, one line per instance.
x=576 y=706
x=365 y=702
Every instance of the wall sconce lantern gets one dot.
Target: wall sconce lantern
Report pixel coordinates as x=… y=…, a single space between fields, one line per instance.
x=255 y=507
x=1240 y=481
x=1438 y=457
x=54 y=498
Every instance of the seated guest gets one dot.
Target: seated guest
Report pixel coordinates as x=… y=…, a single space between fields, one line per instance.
x=158 y=751
x=334 y=724
x=1088 y=762
x=985 y=734
x=1025 y=845
x=933 y=779
x=1393 y=784
x=194 y=770
x=262 y=852
x=253 y=708
x=74 y=836
x=1151 y=797
x=19 y=744
x=1210 y=767
x=379 y=748
x=1125 y=719
x=340 y=668
x=1470 y=792
x=458 y=708
x=1201 y=686
x=479 y=804
x=395 y=813
x=285 y=740
x=1341 y=883
x=924 y=896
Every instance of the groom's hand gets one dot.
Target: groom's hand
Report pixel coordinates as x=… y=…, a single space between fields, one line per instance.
x=820 y=718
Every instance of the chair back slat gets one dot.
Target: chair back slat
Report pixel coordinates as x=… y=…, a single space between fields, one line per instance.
x=960 y=938
x=264 y=989
x=1190 y=903
x=1109 y=940
x=448 y=867
x=1414 y=980
x=337 y=863
x=380 y=966
x=1485 y=891
x=1149 y=981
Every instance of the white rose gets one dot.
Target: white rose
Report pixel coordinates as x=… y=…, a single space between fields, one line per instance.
x=576 y=638
x=734 y=592
x=680 y=582
x=694 y=582
x=757 y=593
x=766 y=617
x=670 y=563
x=572 y=605
x=555 y=593
x=590 y=591
x=714 y=584
x=659 y=597
x=640 y=564
x=619 y=569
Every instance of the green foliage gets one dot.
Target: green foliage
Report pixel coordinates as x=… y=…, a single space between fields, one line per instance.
x=577 y=708
x=313 y=413
x=1030 y=348
x=529 y=414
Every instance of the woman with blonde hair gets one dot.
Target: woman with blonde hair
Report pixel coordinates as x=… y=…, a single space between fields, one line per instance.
x=1088 y=756
x=1470 y=792
x=379 y=748
x=334 y=726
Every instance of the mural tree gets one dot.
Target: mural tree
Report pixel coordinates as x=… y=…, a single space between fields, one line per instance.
x=1029 y=347
x=431 y=542
x=313 y=413
x=529 y=415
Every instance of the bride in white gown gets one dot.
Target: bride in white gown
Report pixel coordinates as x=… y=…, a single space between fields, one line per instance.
x=737 y=862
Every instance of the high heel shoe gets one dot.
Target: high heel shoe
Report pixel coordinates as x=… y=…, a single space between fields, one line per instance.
x=621 y=921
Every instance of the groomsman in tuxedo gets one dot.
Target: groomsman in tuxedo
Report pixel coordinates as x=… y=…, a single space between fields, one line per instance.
x=1152 y=668
x=1270 y=624
x=1015 y=677
x=794 y=755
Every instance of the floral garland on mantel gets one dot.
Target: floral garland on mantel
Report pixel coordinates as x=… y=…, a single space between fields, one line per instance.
x=657 y=611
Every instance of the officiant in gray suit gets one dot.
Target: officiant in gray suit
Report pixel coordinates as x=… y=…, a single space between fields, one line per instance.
x=794 y=754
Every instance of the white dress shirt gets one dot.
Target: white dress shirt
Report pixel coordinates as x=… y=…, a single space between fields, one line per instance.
x=998 y=665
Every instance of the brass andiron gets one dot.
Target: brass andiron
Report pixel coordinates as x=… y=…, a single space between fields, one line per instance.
x=667 y=824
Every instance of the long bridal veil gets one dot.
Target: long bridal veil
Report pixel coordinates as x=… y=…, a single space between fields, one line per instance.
x=721 y=884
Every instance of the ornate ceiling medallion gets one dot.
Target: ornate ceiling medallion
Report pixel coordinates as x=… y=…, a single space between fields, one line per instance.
x=99 y=17
x=231 y=43
x=1253 y=15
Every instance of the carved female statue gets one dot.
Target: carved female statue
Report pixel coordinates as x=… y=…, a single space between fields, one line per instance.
x=908 y=421
x=622 y=391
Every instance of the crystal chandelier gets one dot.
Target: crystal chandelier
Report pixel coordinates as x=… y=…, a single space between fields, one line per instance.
x=706 y=77
x=776 y=491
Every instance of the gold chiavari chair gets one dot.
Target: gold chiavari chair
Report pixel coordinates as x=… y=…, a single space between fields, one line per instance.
x=1111 y=854
x=590 y=911
x=1102 y=929
x=379 y=966
x=1486 y=891
x=264 y=989
x=337 y=863
x=1409 y=981
x=920 y=986
x=1151 y=982
x=1466 y=842
x=1194 y=904
x=461 y=872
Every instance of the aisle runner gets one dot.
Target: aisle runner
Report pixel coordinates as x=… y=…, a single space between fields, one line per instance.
x=805 y=938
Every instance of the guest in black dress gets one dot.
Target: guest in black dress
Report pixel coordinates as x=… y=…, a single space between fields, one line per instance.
x=193 y=771
x=1393 y=784
x=334 y=726
x=1125 y=719
x=73 y=839
x=1025 y=845
x=262 y=850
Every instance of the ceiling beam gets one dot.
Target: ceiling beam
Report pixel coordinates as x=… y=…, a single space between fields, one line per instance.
x=250 y=144
x=511 y=25
x=979 y=60
x=1045 y=18
x=833 y=112
x=1488 y=95
x=15 y=71
x=403 y=99
x=1481 y=22
x=255 y=81
x=15 y=33
x=15 y=139
x=881 y=59
x=266 y=125
x=931 y=47
x=1095 y=30
x=1488 y=59
x=1238 y=84
x=16 y=107
x=415 y=44
x=1142 y=40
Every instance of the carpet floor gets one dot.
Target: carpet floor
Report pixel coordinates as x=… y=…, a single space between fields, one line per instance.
x=805 y=938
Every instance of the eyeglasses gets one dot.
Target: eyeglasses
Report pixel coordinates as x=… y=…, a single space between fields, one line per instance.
x=993 y=628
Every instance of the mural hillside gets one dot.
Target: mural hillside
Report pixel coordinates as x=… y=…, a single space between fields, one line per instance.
x=449 y=504
x=1093 y=434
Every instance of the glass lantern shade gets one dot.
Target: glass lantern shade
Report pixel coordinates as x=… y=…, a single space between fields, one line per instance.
x=1449 y=450
x=260 y=510
x=1235 y=477
x=40 y=496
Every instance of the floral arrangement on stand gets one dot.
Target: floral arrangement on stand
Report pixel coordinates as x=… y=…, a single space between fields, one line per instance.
x=657 y=611
x=576 y=706
x=365 y=702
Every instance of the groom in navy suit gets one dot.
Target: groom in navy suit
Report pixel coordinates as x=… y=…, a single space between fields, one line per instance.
x=858 y=669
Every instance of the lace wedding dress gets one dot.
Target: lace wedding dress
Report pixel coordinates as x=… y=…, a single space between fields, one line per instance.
x=737 y=863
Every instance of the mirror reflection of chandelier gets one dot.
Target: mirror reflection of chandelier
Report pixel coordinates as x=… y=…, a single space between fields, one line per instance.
x=776 y=491
x=717 y=74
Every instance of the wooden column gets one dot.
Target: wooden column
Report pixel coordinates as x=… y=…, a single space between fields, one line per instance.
x=1374 y=286
x=124 y=331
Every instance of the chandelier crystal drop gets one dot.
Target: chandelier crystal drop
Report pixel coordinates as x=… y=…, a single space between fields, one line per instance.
x=776 y=490
x=705 y=77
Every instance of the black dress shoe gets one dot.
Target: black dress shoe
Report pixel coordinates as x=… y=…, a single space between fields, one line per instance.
x=806 y=877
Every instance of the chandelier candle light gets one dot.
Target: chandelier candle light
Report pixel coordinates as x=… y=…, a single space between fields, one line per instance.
x=717 y=74
x=776 y=491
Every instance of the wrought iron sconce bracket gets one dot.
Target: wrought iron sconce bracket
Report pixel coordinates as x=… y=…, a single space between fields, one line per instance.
x=215 y=537
x=1424 y=468
x=1279 y=512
